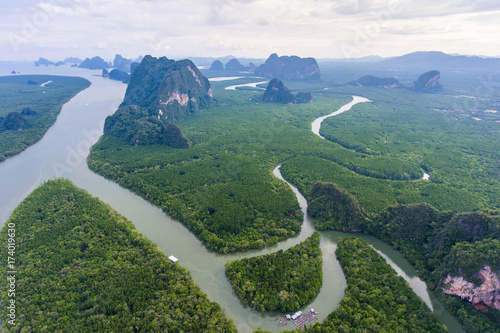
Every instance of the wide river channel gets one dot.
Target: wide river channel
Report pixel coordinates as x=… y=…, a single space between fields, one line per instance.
x=62 y=152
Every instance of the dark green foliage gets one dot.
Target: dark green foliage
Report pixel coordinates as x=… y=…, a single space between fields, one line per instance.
x=161 y=91
x=303 y=97
x=161 y=84
x=335 y=209
x=467 y=259
x=374 y=194
x=373 y=81
x=28 y=109
x=282 y=281
x=81 y=267
x=173 y=137
x=14 y=121
x=442 y=243
x=136 y=127
x=464 y=228
x=424 y=130
x=230 y=202
x=408 y=228
x=243 y=139
x=28 y=112
x=376 y=298
x=277 y=92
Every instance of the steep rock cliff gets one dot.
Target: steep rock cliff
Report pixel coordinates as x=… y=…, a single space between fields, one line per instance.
x=289 y=68
x=428 y=82
x=160 y=92
x=488 y=293
x=277 y=92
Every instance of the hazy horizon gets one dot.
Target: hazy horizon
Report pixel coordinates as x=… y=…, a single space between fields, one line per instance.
x=57 y=29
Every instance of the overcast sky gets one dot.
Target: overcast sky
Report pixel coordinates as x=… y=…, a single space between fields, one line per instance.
x=56 y=29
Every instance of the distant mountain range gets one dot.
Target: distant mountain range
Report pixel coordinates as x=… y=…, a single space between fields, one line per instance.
x=422 y=60
x=443 y=61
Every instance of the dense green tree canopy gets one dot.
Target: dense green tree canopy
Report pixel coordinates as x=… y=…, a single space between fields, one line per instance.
x=29 y=109
x=81 y=267
x=285 y=280
x=376 y=298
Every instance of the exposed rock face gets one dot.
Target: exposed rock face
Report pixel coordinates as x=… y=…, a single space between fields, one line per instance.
x=160 y=92
x=277 y=92
x=428 y=82
x=156 y=83
x=373 y=81
x=235 y=65
x=488 y=293
x=217 y=65
x=94 y=63
x=121 y=63
x=289 y=68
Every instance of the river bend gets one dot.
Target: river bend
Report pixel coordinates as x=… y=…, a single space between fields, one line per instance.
x=62 y=152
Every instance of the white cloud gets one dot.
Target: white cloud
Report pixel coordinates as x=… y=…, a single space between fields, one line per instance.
x=247 y=27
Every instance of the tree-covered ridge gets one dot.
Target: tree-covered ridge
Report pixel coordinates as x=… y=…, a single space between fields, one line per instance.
x=438 y=243
x=376 y=299
x=335 y=209
x=81 y=267
x=29 y=109
x=422 y=233
x=284 y=281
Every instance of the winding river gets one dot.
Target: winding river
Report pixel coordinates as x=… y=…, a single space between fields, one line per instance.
x=62 y=152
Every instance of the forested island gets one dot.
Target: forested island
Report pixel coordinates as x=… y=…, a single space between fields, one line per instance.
x=376 y=298
x=81 y=267
x=30 y=105
x=284 y=280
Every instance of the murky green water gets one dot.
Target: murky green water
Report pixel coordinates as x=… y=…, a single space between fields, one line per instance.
x=62 y=153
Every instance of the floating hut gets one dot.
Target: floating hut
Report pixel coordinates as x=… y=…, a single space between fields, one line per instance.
x=296 y=315
x=173 y=259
